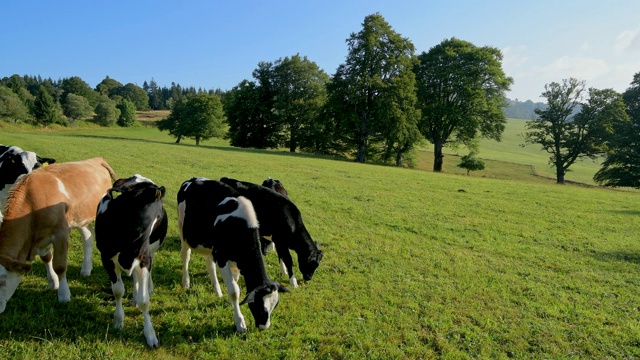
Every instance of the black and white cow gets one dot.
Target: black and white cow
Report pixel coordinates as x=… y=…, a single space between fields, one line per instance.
x=15 y=162
x=276 y=186
x=211 y=216
x=281 y=219
x=131 y=224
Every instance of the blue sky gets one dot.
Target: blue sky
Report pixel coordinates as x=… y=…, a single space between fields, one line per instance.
x=217 y=44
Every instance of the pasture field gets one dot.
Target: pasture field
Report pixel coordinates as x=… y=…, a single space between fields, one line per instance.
x=507 y=159
x=417 y=265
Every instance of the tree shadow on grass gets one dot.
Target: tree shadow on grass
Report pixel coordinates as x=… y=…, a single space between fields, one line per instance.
x=34 y=313
x=214 y=147
x=626 y=256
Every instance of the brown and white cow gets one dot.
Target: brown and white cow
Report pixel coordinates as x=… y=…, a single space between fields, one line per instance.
x=41 y=210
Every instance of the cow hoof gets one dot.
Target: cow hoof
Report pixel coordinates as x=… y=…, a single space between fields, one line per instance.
x=152 y=341
x=186 y=284
x=85 y=272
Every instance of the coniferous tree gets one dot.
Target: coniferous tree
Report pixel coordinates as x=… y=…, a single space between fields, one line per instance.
x=45 y=110
x=127 y=113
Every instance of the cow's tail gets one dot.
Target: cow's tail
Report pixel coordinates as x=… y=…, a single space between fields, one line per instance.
x=109 y=169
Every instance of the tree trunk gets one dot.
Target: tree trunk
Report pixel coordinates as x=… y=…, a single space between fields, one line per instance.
x=197 y=140
x=437 y=156
x=559 y=174
x=398 y=157
x=362 y=141
x=178 y=139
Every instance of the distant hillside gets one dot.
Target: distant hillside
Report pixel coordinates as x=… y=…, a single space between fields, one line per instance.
x=522 y=110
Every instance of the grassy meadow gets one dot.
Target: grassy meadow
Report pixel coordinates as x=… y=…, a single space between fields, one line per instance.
x=417 y=265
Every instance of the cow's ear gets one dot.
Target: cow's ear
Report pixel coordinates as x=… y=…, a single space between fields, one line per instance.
x=251 y=297
x=160 y=193
x=43 y=160
x=282 y=289
x=118 y=183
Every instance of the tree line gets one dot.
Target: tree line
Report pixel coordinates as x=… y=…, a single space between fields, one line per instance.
x=379 y=105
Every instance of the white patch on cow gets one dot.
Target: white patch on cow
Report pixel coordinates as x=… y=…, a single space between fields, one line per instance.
x=64 y=294
x=153 y=247
x=243 y=211
x=185 y=185
x=29 y=159
x=283 y=267
x=270 y=301
x=62 y=188
x=293 y=282
x=104 y=204
x=9 y=282
x=136 y=179
x=230 y=276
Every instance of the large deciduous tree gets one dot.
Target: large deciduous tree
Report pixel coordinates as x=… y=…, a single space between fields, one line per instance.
x=251 y=122
x=569 y=129
x=461 y=92
x=12 y=109
x=107 y=113
x=75 y=85
x=373 y=92
x=621 y=166
x=77 y=107
x=133 y=93
x=299 y=88
x=199 y=117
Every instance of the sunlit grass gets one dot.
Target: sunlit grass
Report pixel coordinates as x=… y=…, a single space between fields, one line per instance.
x=417 y=265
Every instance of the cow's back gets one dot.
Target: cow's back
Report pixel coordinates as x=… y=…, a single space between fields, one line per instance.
x=77 y=187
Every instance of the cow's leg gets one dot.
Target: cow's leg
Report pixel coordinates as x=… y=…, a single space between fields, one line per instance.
x=265 y=245
x=286 y=263
x=185 y=254
x=230 y=279
x=52 y=278
x=60 y=250
x=117 y=287
x=86 y=232
x=211 y=268
x=141 y=278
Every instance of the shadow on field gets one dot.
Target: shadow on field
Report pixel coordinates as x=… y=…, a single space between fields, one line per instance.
x=34 y=313
x=626 y=212
x=628 y=256
x=213 y=147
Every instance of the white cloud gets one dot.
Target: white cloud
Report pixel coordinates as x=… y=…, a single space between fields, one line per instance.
x=513 y=57
x=627 y=41
x=586 y=47
x=581 y=68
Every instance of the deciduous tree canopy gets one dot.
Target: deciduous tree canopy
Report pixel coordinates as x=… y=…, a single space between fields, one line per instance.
x=461 y=92
x=568 y=137
x=621 y=167
x=373 y=92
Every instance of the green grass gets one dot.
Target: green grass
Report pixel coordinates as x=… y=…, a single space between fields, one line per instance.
x=417 y=264
x=508 y=159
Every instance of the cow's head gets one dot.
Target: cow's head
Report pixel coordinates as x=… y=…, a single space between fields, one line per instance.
x=9 y=281
x=276 y=186
x=15 y=162
x=308 y=267
x=136 y=186
x=262 y=301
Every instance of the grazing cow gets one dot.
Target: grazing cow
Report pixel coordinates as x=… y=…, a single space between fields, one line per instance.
x=276 y=186
x=228 y=228
x=281 y=219
x=130 y=226
x=13 y=163
x=42 y=208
